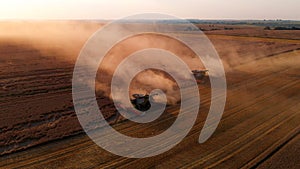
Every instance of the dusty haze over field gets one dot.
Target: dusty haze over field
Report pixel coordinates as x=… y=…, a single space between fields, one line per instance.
x=37 y=59
x=65 y=39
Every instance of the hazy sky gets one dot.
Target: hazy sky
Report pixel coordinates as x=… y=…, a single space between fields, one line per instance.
x=113 y=9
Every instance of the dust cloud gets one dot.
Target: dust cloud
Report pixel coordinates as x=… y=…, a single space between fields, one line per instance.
x=150 y=79
x=66 y=39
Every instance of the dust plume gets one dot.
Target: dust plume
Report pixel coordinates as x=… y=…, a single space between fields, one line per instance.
x=65 y=39
x=150 y=79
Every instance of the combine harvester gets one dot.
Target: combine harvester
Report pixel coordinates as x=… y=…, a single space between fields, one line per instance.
x=141 y=102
